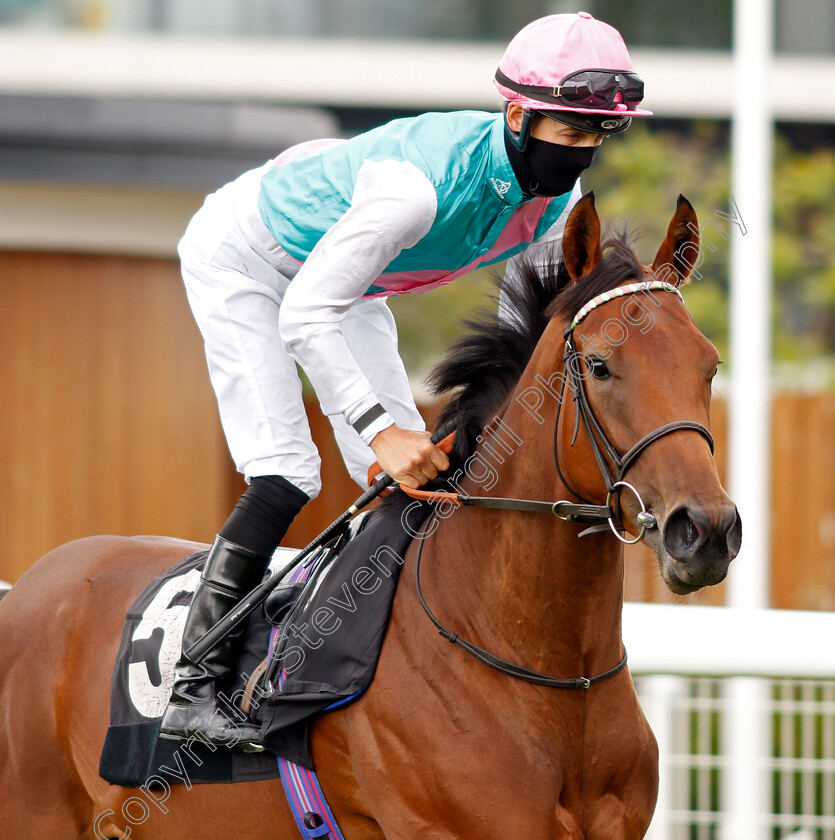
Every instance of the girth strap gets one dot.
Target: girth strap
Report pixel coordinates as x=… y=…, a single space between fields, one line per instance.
x=307 y=802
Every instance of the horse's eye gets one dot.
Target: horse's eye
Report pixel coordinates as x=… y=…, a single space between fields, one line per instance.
x=598 y=369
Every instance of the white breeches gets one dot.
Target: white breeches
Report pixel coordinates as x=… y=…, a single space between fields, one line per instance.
x=236 y=276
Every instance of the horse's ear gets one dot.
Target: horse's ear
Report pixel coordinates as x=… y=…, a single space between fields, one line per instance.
x=679 y=251
x=581 y=240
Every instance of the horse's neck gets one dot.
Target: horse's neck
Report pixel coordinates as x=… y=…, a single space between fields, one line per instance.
x=524 y=580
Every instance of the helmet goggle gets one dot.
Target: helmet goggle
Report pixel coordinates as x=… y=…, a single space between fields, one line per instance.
x=585 y=89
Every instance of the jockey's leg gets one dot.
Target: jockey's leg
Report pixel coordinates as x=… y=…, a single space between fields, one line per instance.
x=236 y=564
x=235 y=289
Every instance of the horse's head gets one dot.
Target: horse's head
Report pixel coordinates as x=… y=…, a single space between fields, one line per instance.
x=641 y=372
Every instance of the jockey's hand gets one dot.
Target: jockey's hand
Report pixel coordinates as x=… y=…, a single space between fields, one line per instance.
x=410 y=458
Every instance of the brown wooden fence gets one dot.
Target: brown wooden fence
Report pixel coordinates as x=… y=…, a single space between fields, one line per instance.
x=107 y=419
x=108 y=425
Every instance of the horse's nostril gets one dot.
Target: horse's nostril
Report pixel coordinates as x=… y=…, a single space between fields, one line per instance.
x=689 y=532
x=692 y=534
x=684 y=533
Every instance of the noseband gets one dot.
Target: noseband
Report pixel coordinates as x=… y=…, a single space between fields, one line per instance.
x=602 y=448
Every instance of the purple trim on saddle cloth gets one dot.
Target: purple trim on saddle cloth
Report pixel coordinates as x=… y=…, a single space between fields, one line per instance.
x=301 y=787
x=299 y=575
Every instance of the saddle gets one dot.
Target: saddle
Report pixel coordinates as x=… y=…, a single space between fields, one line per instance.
x=313 y=647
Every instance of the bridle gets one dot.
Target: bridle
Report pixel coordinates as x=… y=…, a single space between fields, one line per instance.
x=602 y=448
x=586 y=511
x=604 y=453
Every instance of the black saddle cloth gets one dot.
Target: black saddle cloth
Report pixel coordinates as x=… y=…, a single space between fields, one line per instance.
x=328 y=652
x=331 y=641
x=143 y=676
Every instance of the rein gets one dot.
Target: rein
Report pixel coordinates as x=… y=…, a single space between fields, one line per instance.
x=493 y=661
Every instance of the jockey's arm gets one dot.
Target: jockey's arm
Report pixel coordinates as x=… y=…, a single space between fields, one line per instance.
x=392 y=208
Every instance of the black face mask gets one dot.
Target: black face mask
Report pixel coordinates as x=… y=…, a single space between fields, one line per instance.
x=548 y=169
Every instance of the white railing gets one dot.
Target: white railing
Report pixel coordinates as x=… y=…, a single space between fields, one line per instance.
x=704 y=672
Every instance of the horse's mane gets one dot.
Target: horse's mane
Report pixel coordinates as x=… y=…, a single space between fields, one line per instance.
x=483 y=366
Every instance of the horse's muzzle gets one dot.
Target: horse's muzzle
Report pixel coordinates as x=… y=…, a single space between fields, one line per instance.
x=700 y=545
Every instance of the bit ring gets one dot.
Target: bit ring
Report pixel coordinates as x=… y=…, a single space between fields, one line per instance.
x=645 y=518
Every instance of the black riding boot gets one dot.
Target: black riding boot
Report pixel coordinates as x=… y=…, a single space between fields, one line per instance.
x=230 y=573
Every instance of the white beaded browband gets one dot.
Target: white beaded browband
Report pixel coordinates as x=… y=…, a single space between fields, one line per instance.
x=620 y=291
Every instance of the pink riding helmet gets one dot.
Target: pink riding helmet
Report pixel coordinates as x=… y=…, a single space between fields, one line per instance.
x=543 y=69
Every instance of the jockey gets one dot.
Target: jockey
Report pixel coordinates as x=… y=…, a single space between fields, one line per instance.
x=292 y=262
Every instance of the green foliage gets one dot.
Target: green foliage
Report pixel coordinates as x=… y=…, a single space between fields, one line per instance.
x=637 y=178
x=804 y=252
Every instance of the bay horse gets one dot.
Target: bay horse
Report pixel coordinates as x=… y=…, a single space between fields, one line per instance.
x=442 y=746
